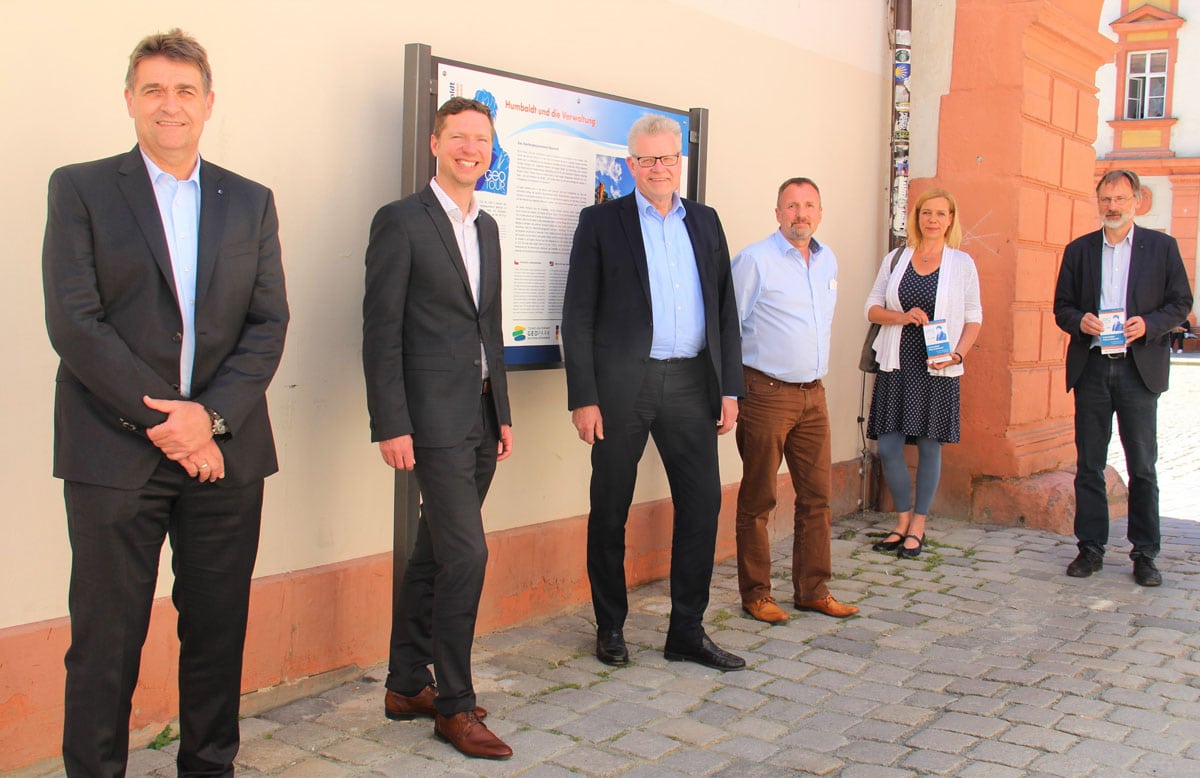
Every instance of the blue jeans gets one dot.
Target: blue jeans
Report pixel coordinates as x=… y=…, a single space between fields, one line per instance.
x=1108 y=386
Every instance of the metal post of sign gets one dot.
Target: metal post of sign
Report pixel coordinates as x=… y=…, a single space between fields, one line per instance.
x=697 y=153
x=416 y=168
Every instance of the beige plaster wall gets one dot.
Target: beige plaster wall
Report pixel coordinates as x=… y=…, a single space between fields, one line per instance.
x=933 y=54
x=308 y=102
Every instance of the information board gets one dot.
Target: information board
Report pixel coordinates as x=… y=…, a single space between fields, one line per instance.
x=556 y=150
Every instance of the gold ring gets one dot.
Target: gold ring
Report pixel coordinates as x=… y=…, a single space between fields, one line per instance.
x=203 y=465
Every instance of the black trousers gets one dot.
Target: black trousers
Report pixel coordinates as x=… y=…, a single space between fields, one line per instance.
x=116 y=540
x=1110 y=386
x=433 y=621
x=673 y=406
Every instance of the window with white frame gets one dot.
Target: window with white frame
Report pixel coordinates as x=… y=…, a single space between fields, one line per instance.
x=1146 y=85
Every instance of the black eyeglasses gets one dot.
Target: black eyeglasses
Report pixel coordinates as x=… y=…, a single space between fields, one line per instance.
x=668 y=160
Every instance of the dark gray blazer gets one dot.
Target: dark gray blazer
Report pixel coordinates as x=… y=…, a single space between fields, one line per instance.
x=421 y=328
x=1158 y=291
x=608 y=325
x=113 y=318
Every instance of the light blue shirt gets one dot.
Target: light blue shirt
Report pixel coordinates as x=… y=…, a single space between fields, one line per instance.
x=1114 y=273
x=785 y=306
x=676 y=301
x=179 y=209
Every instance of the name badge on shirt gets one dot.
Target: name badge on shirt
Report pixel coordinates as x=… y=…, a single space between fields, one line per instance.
x=833 y=284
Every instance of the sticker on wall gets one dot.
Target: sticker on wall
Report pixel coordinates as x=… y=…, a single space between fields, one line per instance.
x=900 y=206
x=900 y=126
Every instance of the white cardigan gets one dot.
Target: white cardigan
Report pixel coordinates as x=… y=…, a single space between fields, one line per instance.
x=957 y=303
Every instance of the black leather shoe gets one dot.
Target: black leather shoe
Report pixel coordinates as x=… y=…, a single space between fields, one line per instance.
x=610 y=647
x=705 y=652
x=1145 y=572
x=1086 y=563
x=889 y=545
x=905 y=552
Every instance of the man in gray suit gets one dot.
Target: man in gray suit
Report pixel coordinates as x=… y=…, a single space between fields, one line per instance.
x=433 y=355
x=165 y=301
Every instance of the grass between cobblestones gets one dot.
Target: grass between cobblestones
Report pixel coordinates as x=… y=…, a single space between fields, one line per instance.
x=977 y=658
x=163 y=739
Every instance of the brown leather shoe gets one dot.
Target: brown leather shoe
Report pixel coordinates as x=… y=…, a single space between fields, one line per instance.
x=397 y=707
x=828 y=606
x=470 y=736
x=765 y=610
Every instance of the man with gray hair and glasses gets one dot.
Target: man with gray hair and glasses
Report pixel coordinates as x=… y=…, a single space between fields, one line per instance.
x=1133 y=276
x=651 y=345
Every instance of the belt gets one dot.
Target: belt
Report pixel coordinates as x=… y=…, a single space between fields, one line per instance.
x=1118 y=355
x=487 y=386
x=805 y=385
x=772 y=380
x=674 y=360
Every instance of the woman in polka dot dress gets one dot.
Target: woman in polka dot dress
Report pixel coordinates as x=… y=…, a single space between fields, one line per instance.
x=916 y=397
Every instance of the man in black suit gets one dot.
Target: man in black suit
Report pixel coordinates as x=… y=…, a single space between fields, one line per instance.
x=165 y=301
x=1139 y=272
x=651 y=344
x=433 y=355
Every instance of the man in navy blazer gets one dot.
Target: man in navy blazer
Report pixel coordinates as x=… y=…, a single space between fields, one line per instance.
x=1138 y=271
x=437 y=393
x=652 y=348
x=165 y=301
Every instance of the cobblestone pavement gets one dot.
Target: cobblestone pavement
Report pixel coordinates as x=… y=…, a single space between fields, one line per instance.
x=980 y=658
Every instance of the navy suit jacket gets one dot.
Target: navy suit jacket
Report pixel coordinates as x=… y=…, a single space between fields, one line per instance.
x=422 y=329
x=113 y=317
x=1158 y=291
x=607 y=323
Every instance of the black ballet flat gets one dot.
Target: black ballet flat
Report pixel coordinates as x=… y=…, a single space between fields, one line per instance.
x=911 y=553
x=889 y=545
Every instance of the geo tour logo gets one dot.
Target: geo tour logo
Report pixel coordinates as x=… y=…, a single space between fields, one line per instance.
x=522 y=332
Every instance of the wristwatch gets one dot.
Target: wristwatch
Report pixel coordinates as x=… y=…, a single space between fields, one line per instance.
x=218 y=422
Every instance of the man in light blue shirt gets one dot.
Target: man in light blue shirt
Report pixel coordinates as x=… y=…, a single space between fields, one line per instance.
x=179 y=208
x=786 y=288
x=166 y=303
x=676 y=306
x=651 y=348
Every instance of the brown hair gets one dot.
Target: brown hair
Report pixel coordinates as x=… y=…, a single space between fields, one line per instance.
x=456 y=105
x=175 y=45
x=796 y=181
x=1117 y=176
